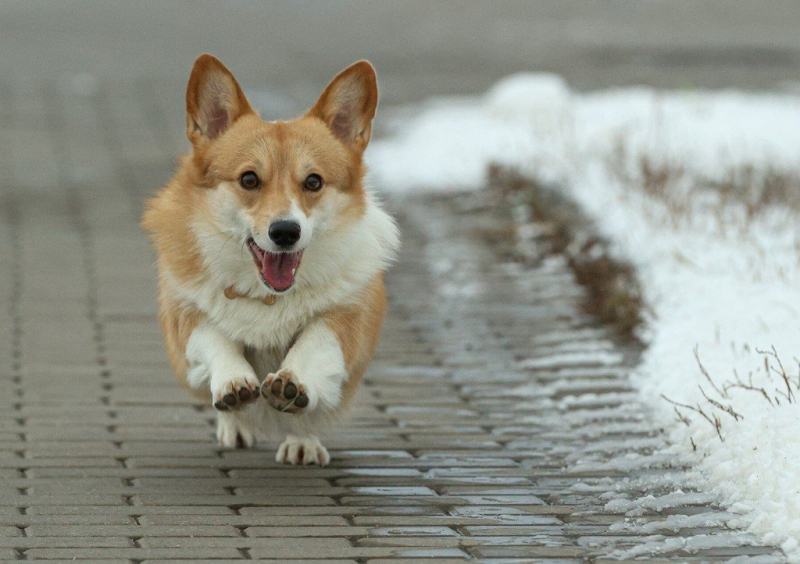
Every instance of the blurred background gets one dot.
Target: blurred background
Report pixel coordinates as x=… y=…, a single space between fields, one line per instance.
x=420 y=48
x=139 y=54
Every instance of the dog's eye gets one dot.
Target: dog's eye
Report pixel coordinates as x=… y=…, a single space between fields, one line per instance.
x=313 y=182
x=249 y=180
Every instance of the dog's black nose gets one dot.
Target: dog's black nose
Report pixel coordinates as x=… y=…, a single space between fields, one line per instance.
x=284 y=233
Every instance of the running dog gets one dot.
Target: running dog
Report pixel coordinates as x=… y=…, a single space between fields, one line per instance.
x=271 y=257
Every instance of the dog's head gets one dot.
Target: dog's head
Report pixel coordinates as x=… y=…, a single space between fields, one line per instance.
x=279 y=186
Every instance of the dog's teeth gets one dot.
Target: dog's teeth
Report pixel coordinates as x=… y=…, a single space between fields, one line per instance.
x=293 y=271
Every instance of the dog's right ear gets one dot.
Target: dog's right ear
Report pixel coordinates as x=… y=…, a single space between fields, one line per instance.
x=214 y=100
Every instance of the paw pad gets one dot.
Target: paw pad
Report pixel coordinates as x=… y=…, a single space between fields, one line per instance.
x=236 y=395
x=284 y=393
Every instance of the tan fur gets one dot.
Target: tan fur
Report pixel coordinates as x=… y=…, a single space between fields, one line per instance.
x=357 y=328
x=166 y=220
x=177 y=324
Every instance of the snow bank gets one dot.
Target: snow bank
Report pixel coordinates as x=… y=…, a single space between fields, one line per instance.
x=719 y=280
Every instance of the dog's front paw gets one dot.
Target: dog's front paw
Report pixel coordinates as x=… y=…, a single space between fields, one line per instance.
x=234 y=393
x=285 y=393
x=302 y=451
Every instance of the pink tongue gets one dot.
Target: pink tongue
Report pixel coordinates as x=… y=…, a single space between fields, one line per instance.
x=278 y=269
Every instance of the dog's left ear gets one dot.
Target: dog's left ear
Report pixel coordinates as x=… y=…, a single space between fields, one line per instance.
x=348 y=104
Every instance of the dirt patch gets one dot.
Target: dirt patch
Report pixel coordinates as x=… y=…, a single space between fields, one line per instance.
x=613 y=291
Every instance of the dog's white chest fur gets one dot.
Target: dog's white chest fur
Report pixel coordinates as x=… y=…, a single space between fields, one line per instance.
x=258 y=325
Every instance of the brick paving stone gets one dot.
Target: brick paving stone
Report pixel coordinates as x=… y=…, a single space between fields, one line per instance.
x=439 y=560
x=341 y=510
x=25 y=521
x=308 y=546
x=129 y=510
x=531 y=552
x=253 y=522
x=306 y=561
x=138 y=553
x=316 y=530
x=132 y=530
x=495 y=424
x=65 y=542
x=228 y=500
x=366 y=552
x=94 y=561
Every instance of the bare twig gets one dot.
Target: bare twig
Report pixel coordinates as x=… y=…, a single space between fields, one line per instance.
x=718 y=427
x=780 y=371
x=705 y=373
x=681 y=417
x=750 y=387
x=726 y=408
x=797 y=362
x=715 y=422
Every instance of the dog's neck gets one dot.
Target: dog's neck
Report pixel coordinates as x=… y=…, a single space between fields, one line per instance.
x=232 y=294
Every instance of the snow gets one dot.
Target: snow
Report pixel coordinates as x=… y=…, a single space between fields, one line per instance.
x=658 y=544
x=674 y=523
x=639 y=506
x=570 y=359
x=718 y=280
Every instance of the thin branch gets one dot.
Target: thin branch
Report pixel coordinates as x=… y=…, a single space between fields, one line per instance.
x=726 y=408
x=705 y=373
x=715 y=422
x=681 y=417
x=743 y=386
x=780 y=371
x=718 y=427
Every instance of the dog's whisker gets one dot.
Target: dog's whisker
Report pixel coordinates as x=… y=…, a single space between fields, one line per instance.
x=225 y=243
x=217 y=234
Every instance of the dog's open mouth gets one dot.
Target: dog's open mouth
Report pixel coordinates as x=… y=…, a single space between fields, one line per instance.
x=278 y=270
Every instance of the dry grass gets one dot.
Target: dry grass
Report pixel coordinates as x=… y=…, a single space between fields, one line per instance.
x=665 y=183
x=782 y=388
x=741 y=195
x=614 y=294
x=759 y=190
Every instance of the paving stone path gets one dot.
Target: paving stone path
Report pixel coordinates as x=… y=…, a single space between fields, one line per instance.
x=497 y=422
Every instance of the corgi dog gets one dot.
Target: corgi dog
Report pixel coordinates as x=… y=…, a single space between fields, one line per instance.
x=271 y=256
